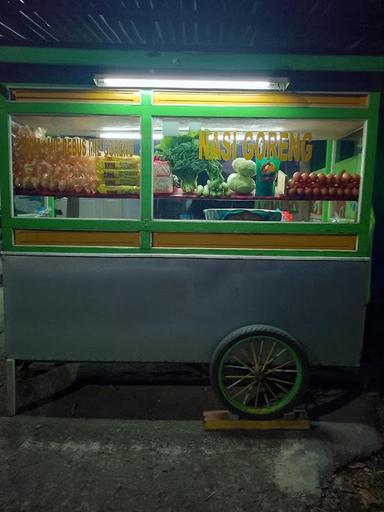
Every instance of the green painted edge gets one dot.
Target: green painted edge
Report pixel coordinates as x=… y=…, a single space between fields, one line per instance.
x=328 y=167
x=146 y=241
x=73 y=224
x=189 y=60
x=179 y=226
x=146 y=161
x=368 y=164
x=119 y=109
x=286 y=399
x=185 y=252
x=5 y=184
x=146 y=173
x=196 y=226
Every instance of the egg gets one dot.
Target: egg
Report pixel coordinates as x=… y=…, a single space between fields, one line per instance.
x=297 y=176
x=337 y=180
x=356 y=177
x=321 y=178
x=345 y=177
x=313 y=177
x=307 y=191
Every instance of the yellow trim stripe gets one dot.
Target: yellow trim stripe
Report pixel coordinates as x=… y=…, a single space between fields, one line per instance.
x=288 y=99
x=77 y=238
x=254 y=241
x=131 y=97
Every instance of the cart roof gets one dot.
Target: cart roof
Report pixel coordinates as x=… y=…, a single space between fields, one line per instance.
x=264 y=26
x=162 y=32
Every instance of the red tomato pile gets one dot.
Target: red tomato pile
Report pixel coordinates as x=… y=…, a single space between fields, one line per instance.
x=343 y=186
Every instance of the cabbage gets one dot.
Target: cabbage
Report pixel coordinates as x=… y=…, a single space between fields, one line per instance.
x=240 y=184
x=244 y=167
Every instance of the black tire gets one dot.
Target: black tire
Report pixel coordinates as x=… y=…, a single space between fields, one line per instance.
x=298 y=377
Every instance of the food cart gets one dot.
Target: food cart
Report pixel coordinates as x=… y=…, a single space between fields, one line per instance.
x=164 y=225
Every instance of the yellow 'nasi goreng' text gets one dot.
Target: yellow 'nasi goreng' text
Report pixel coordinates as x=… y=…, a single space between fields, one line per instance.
x=283 y=146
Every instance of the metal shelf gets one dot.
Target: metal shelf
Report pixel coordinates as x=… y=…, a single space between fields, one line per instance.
x=178 y=194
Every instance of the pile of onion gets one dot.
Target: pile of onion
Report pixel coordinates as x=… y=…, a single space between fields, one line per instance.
x=343 y=186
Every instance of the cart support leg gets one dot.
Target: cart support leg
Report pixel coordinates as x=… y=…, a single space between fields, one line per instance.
x=11 y=387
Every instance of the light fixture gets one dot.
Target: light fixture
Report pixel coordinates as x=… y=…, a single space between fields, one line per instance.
x=192 y=82
x=125 y=135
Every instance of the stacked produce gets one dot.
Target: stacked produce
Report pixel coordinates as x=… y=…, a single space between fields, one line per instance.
x=41 y=163
x=182 y=153
x=162 y=177
x=216 y=185
x=241 y=181
x=342 y=186
x=118 y=175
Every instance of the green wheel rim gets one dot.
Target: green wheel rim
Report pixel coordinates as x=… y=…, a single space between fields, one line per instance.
x=260 y=374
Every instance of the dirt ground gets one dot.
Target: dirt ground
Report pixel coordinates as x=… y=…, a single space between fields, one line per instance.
x=358 y=487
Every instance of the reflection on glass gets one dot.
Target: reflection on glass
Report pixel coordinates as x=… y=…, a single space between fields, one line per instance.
x=76 y=166
x=256 y=169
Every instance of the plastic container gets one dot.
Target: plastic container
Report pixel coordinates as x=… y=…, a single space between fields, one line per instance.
x=242 y=214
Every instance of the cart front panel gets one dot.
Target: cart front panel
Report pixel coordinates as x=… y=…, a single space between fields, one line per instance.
x=113 y=308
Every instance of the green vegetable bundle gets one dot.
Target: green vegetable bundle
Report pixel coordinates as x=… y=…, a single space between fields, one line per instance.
x=182 y=153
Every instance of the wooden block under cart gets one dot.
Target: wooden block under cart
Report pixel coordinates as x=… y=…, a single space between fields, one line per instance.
x=224 y=420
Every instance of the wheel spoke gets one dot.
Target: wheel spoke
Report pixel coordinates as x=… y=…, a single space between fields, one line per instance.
x=246 y=355
x=235 y=366
x=237 y=382
x=280 y=366
x=242 y=363
x=250 y=386
x=278 y=355
x=268 y=356
x=281 y=380
x=261 y=350
x=257 y=394
x=266 y=398
x=281 y=371
x=237 y=376
x=274 y=396
x=255 y=360
x=285 y=390
x=246 y=397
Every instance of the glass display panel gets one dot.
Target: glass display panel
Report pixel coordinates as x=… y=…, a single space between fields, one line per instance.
x=76 y=166
x=348 y=159
x=280 y=170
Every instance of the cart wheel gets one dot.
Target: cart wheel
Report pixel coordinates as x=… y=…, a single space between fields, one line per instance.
x=259 y=372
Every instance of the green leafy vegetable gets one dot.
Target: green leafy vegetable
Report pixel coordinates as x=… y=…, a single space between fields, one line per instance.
x=182 y=153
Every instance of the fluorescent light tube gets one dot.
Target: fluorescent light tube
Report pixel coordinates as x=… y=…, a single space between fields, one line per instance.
x=246 y=84
x=125 y=135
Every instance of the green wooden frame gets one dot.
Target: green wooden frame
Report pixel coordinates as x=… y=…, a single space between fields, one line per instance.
x=124 y=59
x=146 y=225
